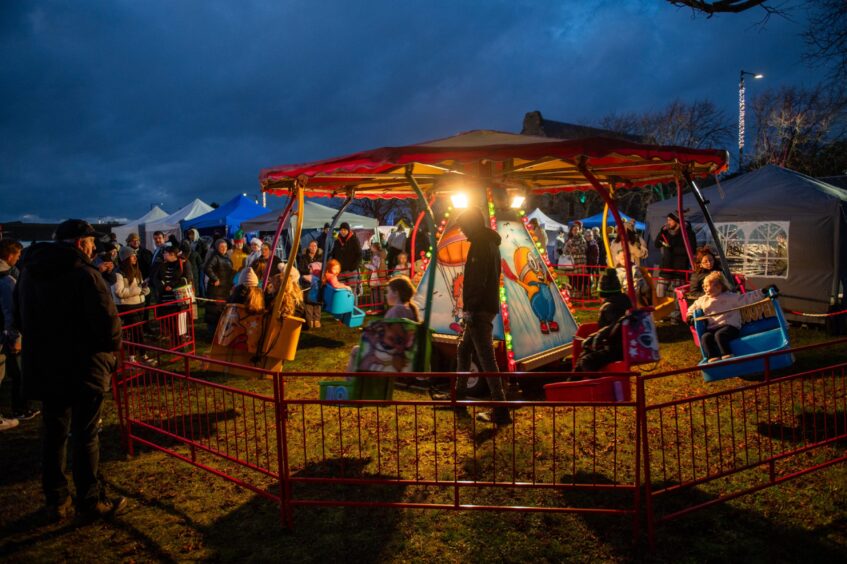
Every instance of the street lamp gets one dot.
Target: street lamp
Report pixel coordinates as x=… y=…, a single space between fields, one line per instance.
x=741 y=112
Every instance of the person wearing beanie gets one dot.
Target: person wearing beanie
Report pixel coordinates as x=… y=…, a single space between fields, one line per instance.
x=606 y=344
x=237 y=254
x=348 y=252
x=255 y=251
x=129 y=290
x=674 y=256
x=247 y=292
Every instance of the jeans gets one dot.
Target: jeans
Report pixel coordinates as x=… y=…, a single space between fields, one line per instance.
x=477 y=338
x=79 y=415
x=716 y=341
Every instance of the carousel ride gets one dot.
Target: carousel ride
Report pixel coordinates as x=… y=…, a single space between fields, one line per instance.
x=535 y=326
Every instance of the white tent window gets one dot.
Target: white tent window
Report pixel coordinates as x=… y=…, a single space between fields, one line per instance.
x=755 y=248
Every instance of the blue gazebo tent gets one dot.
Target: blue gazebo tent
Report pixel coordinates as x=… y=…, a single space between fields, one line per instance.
x=597 y=221
x=227 y=218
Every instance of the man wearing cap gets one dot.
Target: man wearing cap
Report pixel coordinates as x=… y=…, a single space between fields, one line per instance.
x=674 y=256
x=73 y=336
x=348 y=251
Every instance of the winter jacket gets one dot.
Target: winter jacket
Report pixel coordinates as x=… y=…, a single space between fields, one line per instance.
x=127 y=291
x=72 y=330
x=237 y=257
x=348 y=252
x=674 y=255
x=8 y=330
x=170 y=275
x=723 y=302
x=218 y=268
x=481 y=291
x=145 y=261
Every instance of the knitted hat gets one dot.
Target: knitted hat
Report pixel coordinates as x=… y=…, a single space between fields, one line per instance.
x=239 y=235
x=132 y=237
x=673 y=216
x=577 y=223
x=125 y=253
x=255 y=241
x=295 y=274
x=344 y=225
x=249 y=278
x=609 y=284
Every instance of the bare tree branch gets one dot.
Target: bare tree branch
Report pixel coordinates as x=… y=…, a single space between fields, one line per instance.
x=826 y=37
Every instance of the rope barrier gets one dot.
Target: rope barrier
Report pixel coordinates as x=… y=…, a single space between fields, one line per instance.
x=804 y=314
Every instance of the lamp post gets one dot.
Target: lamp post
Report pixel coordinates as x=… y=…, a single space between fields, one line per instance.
x=741 y=114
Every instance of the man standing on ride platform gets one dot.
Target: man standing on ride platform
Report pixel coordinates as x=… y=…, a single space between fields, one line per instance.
x=674 y=257
x=73 y=337
x=481 y=299
x=348 y=251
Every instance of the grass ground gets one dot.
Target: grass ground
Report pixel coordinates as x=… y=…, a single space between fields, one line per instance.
x=178 y=513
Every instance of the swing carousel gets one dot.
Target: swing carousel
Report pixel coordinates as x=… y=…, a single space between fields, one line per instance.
x=495 y=169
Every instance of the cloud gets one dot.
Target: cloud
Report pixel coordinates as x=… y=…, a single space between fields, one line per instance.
x=109 y=106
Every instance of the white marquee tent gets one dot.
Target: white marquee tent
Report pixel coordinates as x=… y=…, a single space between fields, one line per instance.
x=123 y=231
x=170 y=224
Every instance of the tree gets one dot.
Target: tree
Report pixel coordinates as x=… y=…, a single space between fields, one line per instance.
x=826 y=36
x=382 y=209
x=723 y=6
x=798 y=128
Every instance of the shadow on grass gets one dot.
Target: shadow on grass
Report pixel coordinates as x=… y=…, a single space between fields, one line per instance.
x=727 y=533
x=356 y=534
x=811 y=427
x=313 y=340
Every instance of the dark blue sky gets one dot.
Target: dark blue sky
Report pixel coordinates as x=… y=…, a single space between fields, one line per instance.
x=108 y=106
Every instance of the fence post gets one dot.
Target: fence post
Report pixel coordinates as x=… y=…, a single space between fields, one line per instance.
x=281 y=411
x=644 y=439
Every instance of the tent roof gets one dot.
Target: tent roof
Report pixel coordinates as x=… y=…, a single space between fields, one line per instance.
x=315 y=217
x=758 y=193
x=152 y=215
x=546 y=221
x=193 y=209
x=232 y=213
x=597 y=221
x=537 y=164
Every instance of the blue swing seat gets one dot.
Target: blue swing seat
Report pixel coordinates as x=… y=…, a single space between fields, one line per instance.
x=764 y=330
x=341 y=304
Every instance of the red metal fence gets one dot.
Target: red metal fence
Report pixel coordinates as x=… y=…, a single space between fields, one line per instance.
x=269 y=433
x=740 y=436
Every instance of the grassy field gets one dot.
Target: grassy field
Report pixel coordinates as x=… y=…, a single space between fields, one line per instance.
x=178 y=513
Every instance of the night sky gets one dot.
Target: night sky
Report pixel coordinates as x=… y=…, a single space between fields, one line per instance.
x=109 y=106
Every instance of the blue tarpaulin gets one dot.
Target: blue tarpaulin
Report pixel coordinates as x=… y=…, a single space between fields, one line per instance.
x=597 y=221
x=226 y=218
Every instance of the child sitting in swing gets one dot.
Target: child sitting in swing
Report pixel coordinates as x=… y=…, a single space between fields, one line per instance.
x=248 y=293
x=398 y=296
x=333 y=269
x=722 y=326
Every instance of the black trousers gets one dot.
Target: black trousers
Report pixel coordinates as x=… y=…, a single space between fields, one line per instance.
x=78 y=415
x=716 y=341
x=11 y=363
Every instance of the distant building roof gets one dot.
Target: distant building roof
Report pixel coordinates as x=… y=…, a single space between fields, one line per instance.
x=535 y=124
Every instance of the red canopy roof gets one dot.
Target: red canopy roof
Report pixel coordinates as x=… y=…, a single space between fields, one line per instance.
x=535 y=164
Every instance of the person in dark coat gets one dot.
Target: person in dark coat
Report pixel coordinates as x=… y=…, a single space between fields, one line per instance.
x=192 y=259
x=310 y=277
x=73 y=336
x=605 y=345
x=674 y=255
x=145 y=257
x=481 y=304
x=173 y=272
x=322 y=239
x=219 y=274
x=348 y=251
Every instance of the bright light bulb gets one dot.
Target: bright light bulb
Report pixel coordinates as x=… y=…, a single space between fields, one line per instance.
x=460 y=200
x=759 y=75
x=517 y=201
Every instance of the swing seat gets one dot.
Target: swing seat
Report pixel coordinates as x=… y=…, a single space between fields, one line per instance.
x=605 y=389
x=338 y=301
x=386 y=345
x=682 y=302
x=341 y=304
x=764 y=329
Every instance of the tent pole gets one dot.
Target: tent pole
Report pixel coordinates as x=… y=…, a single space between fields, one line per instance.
x=698 y=196
x=412 y=258
x=420 y=358
x=295 y=243
x=689 y=250
x=607 y=197
x=335 y=218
